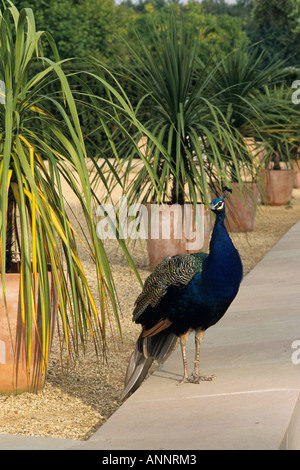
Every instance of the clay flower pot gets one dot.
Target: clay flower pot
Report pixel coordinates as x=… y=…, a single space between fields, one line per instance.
x=241 y=207
x=296 y=168
x=15 y=375
x=175 y=230
x=278 y=186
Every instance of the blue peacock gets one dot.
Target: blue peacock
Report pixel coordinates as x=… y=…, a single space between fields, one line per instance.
x=184 y=293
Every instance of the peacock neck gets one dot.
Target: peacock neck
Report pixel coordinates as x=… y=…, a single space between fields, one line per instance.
x=223 y=263
x=220 y=239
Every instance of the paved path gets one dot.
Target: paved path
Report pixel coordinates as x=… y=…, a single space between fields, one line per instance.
x=253 y=403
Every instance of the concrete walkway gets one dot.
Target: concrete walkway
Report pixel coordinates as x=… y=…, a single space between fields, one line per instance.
x=254 y=401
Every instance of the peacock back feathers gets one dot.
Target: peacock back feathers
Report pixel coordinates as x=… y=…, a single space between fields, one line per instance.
x=172 y=271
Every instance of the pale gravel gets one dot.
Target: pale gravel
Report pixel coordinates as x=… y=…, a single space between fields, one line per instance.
x=74 y=404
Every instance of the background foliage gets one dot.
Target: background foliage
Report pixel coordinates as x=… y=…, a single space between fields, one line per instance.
x=104 y=29
x=84 y=27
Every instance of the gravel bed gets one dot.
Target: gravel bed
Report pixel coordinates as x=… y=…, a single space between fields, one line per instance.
x=76 y=402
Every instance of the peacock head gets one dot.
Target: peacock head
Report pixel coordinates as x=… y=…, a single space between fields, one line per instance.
x=217 y=206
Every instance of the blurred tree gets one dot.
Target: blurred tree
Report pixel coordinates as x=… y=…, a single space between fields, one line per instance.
x=216 y=7
x=218 y=34
x=97 y=28
x=80 y=27
x=84 y=27
x=277 y=25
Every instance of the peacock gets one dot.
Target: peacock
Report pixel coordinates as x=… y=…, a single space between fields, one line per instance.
x=184 y=293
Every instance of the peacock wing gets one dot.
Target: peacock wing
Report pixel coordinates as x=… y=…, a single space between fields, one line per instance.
x=177 y=270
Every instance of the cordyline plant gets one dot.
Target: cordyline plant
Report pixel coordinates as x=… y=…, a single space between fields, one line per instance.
x=281 y=129
x=177 y=107
x=40 y=150
x=256 y=101
x=200 y=115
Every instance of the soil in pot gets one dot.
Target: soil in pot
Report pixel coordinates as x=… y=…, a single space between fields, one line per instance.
x=15 y=375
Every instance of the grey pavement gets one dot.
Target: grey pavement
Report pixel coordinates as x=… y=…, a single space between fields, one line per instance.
x=253 y=402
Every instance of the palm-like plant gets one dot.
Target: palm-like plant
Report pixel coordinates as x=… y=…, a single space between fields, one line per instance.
x=281 y=128
x=237 y=81
x=241 y=85
x=41 y=150
x=177 y=107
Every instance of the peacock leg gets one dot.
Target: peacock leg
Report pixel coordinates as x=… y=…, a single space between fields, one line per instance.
x=199 y=334
x=196 y=377
x=183 y=341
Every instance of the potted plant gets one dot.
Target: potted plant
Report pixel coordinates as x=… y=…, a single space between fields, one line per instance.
x=42 y=147
x=278 y=176
x=175 y=107
x=239 y=82
x=278 y=171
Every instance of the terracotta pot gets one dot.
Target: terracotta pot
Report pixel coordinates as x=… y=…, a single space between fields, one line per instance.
x=176 y=230
x=14 y=373
x=241 y=207
x=296 y=168
x=278 y=186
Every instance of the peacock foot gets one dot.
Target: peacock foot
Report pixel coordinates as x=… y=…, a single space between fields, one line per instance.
x=196 y=379
x=184 y=380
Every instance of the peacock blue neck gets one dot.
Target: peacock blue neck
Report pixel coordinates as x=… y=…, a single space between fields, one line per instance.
x=220 y=238
x=223 y=266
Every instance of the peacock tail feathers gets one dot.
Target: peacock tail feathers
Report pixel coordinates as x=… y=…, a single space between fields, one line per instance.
x=156 y=348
